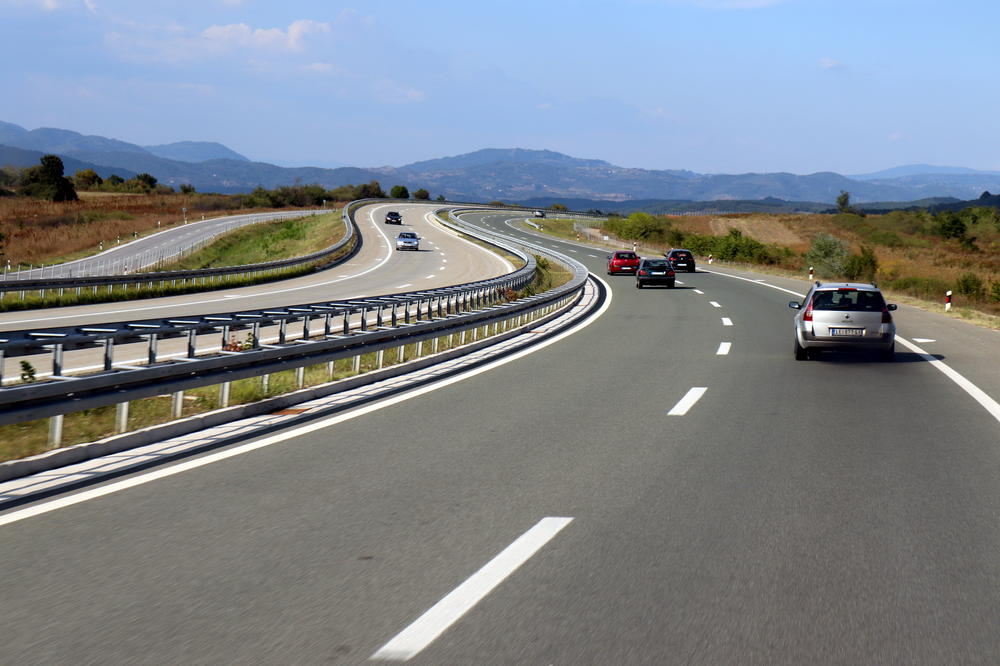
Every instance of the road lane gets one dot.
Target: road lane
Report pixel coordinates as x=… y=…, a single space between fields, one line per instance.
x=836 y=510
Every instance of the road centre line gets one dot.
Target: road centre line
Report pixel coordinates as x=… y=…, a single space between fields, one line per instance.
x=688 y=401
x=425 y=629
x=183 y=466
x=429 y=277
x=724 y=348
x=977 y=394
x=699 y=291
x=726 y=321
x=714 y=304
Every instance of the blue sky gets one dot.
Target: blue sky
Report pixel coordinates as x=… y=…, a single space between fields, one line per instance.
x=715 y=86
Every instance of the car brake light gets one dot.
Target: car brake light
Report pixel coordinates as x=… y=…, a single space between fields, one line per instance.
x=843 y=290
x=886 y=317
x=808 y=314
x=671 y=274
x=643 y=273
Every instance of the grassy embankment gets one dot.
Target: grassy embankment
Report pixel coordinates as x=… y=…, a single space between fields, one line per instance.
x=31 y=438
x=257 y=243
x=913 y=261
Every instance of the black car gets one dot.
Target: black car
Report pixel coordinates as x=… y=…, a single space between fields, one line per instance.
x=654 y=271
x=392 y=217
x=681 y=260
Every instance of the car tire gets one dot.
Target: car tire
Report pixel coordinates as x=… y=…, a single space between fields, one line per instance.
x=670 y=285
x=800 y=353
x=691 y=270
x=889 y=355
x=638 y=285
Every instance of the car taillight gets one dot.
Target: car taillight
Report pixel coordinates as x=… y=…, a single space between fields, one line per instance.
x=808 y=314
x=643 y=272
x=886 y=317
x=671 y=274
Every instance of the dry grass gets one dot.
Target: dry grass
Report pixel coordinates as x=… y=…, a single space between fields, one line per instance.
x=37 y=231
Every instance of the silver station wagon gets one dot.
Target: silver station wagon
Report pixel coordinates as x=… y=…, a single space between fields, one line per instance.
x=844 y=315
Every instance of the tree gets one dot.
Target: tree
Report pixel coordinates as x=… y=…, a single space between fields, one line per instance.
x=844 y=202
x=147 y=181
x=114 y=180
x=187 y=188
x=87 y=179
x=370 y=190
x=46 y=181
x=422 y=194
x=440 y=197
x=399 y=192
x=558 y=206
x=861 y=267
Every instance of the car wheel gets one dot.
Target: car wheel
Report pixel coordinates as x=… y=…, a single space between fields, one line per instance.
x=691 y=270
x=638 y=285
x=670 y=284
x=800 y=353
x=889 y=354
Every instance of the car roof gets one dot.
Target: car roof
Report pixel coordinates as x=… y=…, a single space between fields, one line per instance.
x=833 y=286
x=680 y=249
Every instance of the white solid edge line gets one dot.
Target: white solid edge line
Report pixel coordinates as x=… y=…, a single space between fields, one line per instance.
x=726 y=321
x=724 y=348
x=687 y=402
x=425 y=629
x=94 y=493
x=977 y=394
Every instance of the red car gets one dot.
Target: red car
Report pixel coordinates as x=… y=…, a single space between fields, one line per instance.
x=623 y=262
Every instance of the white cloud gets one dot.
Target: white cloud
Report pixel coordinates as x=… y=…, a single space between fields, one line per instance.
x=241 y=35
x=830 y=63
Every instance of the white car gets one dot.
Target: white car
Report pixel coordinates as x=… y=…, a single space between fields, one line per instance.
x=407 y=240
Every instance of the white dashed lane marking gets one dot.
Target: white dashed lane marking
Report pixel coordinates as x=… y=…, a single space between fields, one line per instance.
x=714 y=304
x=724 y=348
x=726 y=321
x=699 y=291
x=688 y=401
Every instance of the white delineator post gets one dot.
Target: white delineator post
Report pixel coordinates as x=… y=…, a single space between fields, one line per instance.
x=812 y=275
x=710 y=259
x=947 y=300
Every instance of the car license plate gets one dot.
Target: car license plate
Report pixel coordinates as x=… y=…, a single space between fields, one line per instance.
x=847 y=331
x=659 y=272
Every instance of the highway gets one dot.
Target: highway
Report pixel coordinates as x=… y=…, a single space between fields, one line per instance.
x=130 y=256
x=638 y=493
x=444 y=259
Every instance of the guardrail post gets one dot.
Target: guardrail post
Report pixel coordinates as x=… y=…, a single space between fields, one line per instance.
x=55 y=431
x=121 y=417
x=176 y=404
x=152 y=349
x=434 y=346
x=395 y=317
x=305 y=328
x=347 y=322
x=380 y=359
x=406 y=312
x=364 y=319
x=57 y=360
x=378 y=317
x=224 y=395
x=225 y=338
x=400 y=351
x=430 y=308
x=300 y=376
x=420 y=348
x=282 y=331
x=326 y=324
x=329 y=370
x=2 y=354
x=255 y=333
x=109 y=353
x=461 y=339
x=265 y=383
x=192 y=343
x=357 y=364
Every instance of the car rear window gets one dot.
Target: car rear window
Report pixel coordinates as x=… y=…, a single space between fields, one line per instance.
x=681 y=255
x=658 y=263
x=848 y=301
x=625 y=255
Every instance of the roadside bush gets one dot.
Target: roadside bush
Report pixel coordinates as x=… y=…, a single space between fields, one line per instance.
x=827 y=256
x=861 y=267
x=734 y=246
x=970 y=284
x=995 y=292
x=931 y=289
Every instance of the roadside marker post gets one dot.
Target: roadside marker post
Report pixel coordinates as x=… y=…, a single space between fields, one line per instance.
x=947 y=300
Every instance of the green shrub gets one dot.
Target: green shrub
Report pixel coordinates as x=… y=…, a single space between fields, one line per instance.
x=828 y=256
x=971 y=285
x=861 y=267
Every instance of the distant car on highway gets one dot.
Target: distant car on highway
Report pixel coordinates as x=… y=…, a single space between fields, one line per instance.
x=539 y=213
x=654 y=271
x=407 y=240
x=681 y=260
x=844 y=315
x=392 y=217
x=622 y=261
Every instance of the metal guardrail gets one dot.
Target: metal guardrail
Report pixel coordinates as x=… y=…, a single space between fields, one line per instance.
x=398 y=319
x=43 y=284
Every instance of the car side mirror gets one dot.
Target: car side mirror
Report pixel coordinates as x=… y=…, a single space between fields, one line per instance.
x=795 y=305
x=891 y=306
x=608 y=257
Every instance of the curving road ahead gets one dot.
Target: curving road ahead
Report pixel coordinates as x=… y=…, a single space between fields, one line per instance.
x=566 y=511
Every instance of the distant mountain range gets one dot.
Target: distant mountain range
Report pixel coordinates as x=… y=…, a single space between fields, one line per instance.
x=511 y=175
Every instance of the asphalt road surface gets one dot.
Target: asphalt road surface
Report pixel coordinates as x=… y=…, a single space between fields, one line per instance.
x=560 y=509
